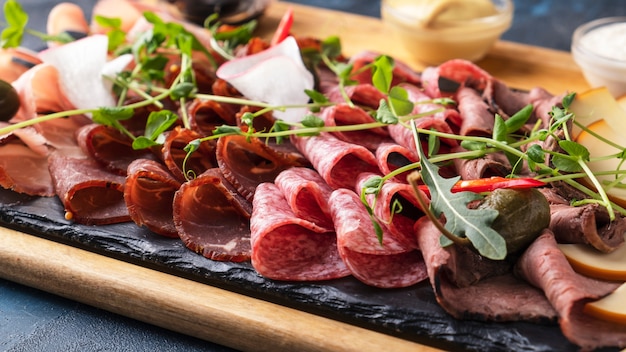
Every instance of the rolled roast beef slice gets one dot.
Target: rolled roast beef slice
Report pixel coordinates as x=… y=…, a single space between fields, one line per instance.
x=386 y=265
x=212 y=219
x=545 y=267
x=285 y=247
x=587 y=224
x=476 y=116
x=90 y=194
x=498 y=298
x=149 y=192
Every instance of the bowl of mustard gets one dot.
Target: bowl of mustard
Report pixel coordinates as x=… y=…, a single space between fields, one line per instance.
x=434 y=31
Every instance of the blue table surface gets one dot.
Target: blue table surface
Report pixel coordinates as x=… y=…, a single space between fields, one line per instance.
x=32 y=320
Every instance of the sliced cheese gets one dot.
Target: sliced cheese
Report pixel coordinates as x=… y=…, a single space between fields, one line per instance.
x=598 y=148
x=589 y=261
x=597 y=104
x=611 y=307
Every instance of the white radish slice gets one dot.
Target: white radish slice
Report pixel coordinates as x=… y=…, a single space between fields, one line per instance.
x=276 y=76
x=81 y=65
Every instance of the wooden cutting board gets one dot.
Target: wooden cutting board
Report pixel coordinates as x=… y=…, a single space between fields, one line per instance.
x=229 y=318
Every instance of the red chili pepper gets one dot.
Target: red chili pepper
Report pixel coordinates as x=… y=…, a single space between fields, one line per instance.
x=490 y=184
x=284 y=28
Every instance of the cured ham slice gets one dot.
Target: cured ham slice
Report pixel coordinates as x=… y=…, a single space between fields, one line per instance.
x=246 y=163
x=307 y=195
x=400 y=224
x=286 y=247
x=16 y=61
x=109 y=147
x=149 y=194
x=90 y=194
x=24 y=170
x=343 y=115
x=174 y=155
x=212 y=219
x=386 y=265
x=336 y=161
x=497 y=298
x=206 y=115
x=546 y=267
x=392 y=156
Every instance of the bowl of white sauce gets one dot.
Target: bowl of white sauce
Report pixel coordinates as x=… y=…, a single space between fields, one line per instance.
x=434 y=31
x=599 y=49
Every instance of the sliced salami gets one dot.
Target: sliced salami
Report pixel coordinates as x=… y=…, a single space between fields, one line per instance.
x=336 y=161
x=388 y=264
x=343 y=114
x=307 y=194
x=392 y=156
x=285 y=247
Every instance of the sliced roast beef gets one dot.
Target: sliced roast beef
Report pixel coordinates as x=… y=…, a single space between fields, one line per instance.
x=476 y=116
x=546 y=267
x=495 y=298
x=286 y=247
x=494 y=164
x=212 y=219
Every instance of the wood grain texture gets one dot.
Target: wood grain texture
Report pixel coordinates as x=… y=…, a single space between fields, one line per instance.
x=225 y=317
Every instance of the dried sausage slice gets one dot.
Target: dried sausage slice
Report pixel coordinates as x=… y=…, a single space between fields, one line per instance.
x=386 y=265
x=285 y=247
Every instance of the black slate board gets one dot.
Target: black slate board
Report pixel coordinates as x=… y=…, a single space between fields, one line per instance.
x=411 y=313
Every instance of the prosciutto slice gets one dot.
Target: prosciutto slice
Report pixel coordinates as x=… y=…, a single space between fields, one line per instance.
x=497 y=298
x=386 y=265
x=109 y=147
x=286 y=247
x=149 y=193
x=545 y=266
x=212 y=219
x=336 y=161
x=24 y=170
x=90 y=194
x=246 y=163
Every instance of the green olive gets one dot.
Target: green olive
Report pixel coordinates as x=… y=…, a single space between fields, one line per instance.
x=9 y=101
x=523 y=214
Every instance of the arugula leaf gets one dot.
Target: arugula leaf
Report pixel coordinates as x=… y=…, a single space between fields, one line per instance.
x=474 y=224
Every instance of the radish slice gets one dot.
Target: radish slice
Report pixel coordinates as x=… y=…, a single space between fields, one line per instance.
x=276 y=76
x=81 y=65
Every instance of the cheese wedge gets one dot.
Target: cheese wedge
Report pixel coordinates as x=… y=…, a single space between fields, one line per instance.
x=611 y=307
x=590 y=262
x=597 y=104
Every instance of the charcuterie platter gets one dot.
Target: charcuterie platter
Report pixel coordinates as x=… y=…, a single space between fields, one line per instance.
x=132 y=271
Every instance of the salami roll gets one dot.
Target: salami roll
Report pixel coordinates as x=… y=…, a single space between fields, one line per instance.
x=343 y=114
x=307 y=195
x=336 y=161
x=392 y=156
x=399 y=224
x=285 y=247
x=364 y=94
x=386 y=265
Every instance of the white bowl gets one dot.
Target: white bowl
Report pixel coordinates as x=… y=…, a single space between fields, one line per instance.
x=599 y=49
x=445 y=39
